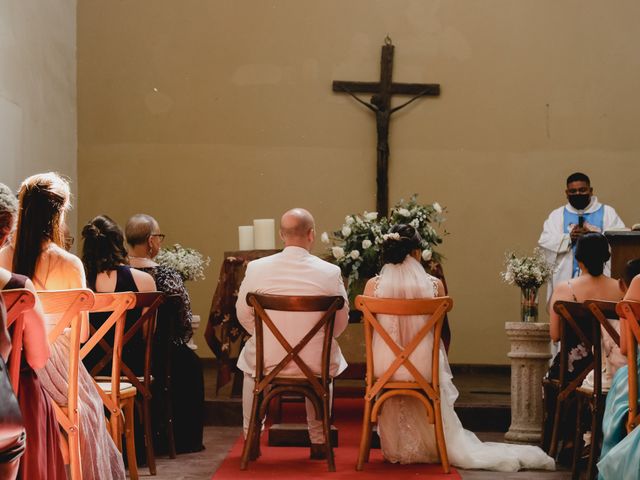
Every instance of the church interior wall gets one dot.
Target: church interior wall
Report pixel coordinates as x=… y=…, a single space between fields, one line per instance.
x=208 y=114
x=38 y=109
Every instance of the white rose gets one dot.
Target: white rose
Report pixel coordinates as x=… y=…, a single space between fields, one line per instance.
x=437 y=207
x=427 y=254
x=404 y=212
x=338 y=252
x=348 y=219
x=346 y=231
x=415 y=223
x=370 y=215
x=509 y=277
x=355 y=254
x=324 y=237
x=366 y=244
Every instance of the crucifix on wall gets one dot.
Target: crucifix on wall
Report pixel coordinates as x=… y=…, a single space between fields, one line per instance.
x=380 y=105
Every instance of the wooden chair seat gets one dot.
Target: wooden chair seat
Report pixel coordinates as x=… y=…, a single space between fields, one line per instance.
x=270 y=385
x=126 y=389
x=381 y=388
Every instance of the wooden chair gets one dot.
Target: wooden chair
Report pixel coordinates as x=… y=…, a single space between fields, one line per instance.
x=630 y=310
x=384 y=387
x=117 y=397
x=17 y=302
x=594 y=398
x=70 y=304
x=317 y=390
x=576 y=323
x=148 y=302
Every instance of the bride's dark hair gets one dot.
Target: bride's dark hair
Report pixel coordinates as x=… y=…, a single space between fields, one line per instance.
x=401 y=240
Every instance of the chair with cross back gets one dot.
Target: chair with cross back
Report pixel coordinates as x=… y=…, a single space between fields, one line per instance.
x=630 y=310
x=17 y=302
x=268 y=385
x=380 y=389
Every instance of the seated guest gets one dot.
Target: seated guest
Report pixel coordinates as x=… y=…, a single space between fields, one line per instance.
x=618 y=457
x=406 y=435
x=144 y=238
x=12 y=433
x=106 y=264
x=294 y=271
x=37 y=252
x=42 y=457
x=592 y=252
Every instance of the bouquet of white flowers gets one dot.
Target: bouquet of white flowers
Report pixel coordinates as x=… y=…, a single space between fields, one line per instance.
x=356 y=247
x=527 y=272
x=189 y=263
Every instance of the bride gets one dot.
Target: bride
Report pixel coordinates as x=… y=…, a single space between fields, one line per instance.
x=405 y=434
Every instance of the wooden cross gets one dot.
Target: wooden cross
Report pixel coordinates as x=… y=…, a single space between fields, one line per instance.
x=381 y=106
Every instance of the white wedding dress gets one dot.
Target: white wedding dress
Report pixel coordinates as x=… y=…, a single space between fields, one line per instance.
x=405 y=434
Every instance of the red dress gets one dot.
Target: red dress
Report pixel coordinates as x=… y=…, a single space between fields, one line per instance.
x=43 y=457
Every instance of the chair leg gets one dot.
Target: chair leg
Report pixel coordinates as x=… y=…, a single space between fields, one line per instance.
x=115 y=427
x=248 y=449
x=73 y=446
x=577 y=440
x=365 y=438
x=440 y=440
x=596 y=434
x=130 y=439
x=148 y=435
x=553 y=448
x=326 y=423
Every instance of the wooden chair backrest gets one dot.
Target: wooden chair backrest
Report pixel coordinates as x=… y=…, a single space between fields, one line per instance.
x=117 y=305
x=372 y=306
x=72 y=304
x=17 y=302
x=604 y=311
x=630 y=310
x=577 y=321
x=148 y=302
x=290 y=303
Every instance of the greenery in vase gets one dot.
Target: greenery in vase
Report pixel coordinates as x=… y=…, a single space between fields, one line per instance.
x=189 y=263
x=527 y=271
x=356 y=247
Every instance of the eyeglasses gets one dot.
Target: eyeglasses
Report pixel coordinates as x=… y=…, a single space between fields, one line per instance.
x=578 y=191
x=159 y=235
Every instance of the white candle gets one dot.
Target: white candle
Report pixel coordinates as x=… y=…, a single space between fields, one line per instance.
x=264 y=234
x=245 y=235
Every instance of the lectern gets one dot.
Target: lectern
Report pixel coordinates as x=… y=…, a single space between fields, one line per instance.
x=625 y=246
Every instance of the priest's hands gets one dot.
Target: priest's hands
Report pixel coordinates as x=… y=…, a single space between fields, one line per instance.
x=577 y=232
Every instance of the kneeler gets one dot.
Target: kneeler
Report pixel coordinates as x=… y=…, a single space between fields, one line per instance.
x=316 y=389
x=384 y=387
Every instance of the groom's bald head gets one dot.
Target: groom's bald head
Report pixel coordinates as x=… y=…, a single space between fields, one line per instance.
x=297 y=228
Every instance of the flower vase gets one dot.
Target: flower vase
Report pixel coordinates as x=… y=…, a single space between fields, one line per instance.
x=529 y=304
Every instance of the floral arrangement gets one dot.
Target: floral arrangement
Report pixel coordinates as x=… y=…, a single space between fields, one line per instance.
x=356 y=247
x=527 y=272
x=189 y=263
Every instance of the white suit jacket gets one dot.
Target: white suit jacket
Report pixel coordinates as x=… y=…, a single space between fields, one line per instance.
x=557 y=245
x=294 y=271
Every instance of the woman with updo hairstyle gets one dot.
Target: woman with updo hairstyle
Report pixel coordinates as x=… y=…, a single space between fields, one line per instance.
x=107 y=267
x=592 y=253
x=37 y=252
x=406 y=436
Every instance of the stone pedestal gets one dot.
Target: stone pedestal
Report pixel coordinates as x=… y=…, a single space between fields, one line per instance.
x=530 y=354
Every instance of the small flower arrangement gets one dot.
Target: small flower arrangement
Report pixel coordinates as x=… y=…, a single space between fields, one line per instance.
x=356 y=247
x=189 y=263
x=527 y=272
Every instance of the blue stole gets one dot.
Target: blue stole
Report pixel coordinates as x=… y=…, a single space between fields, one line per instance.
x=594 y=218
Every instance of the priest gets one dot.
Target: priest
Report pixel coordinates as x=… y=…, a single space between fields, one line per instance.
x=583 y=213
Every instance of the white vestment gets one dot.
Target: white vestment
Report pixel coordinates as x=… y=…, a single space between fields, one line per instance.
x=294 y=271
x=556 y=244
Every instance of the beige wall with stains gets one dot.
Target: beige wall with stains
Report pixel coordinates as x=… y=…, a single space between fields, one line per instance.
x=208 y=114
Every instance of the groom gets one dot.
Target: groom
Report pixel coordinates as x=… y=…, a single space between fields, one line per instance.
x=294 y=271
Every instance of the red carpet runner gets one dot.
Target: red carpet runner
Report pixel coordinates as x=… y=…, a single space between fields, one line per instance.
x=286 y=463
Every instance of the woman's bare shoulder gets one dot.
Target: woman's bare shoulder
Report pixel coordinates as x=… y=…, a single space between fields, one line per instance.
x=143 y=280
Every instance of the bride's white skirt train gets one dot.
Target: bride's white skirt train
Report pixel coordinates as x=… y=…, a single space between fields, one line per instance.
x=407 y=437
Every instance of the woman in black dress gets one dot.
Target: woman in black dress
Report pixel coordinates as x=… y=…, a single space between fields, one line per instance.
x=144 y=238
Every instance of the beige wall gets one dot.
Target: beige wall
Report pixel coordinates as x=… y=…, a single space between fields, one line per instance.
x=38 y=89
x=207 y=114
